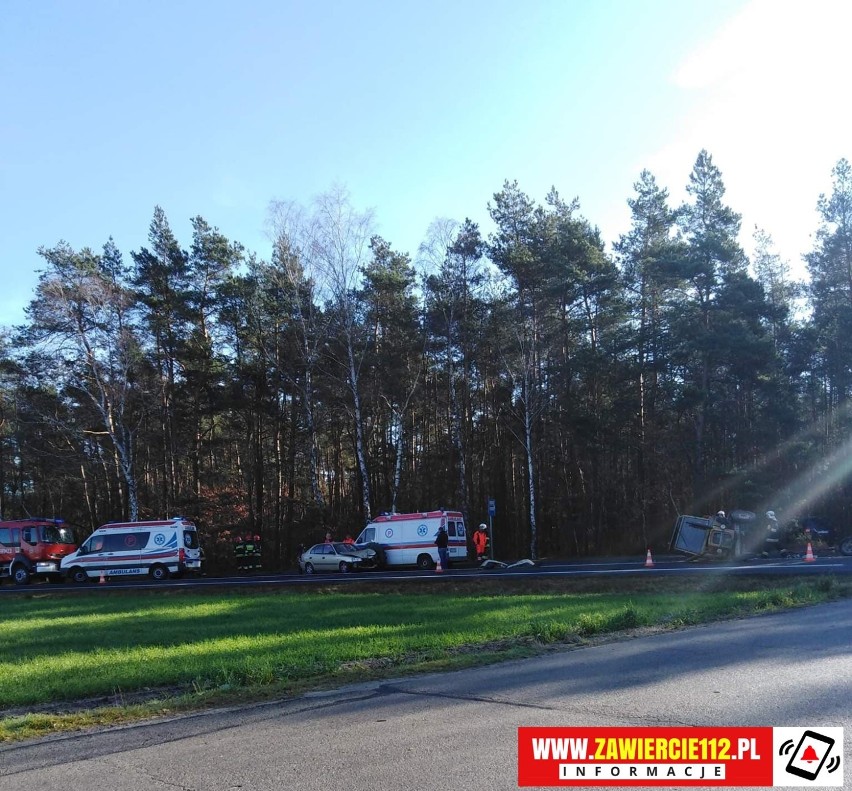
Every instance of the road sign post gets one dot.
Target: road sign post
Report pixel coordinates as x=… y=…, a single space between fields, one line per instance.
x=492 y=510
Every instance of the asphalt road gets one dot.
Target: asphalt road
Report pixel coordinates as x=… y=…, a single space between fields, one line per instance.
x=665 y=565
x=458 y=731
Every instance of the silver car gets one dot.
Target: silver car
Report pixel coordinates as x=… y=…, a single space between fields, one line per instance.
x=336 y=557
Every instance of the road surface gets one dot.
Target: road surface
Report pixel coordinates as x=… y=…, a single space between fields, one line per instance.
x=664 y=566
x=458 y=731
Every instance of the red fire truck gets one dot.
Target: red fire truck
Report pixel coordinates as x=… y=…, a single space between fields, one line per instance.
x=34 y=548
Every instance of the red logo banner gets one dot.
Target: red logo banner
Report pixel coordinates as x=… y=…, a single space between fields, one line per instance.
x=627 y=757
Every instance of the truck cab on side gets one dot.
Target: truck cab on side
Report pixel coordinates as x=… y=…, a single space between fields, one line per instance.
x=34 y=548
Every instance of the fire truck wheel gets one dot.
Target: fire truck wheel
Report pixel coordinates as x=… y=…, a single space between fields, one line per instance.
x=21 y=575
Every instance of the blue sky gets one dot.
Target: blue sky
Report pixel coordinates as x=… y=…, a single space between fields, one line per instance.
x=420 y=109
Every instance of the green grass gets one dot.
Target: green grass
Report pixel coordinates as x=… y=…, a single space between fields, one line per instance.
x=63 y=658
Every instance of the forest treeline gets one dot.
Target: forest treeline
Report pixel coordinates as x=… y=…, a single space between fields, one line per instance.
x=593 y=395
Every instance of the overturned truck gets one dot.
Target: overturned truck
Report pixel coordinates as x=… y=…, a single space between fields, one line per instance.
x=709 y=538
x=742 y=534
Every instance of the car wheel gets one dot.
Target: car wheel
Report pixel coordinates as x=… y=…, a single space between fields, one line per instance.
x=846 y=546
x=309 y=568
x=425 y=562
x=78 y=575
x=21 y=575
x=159 y=573
x=344 y=567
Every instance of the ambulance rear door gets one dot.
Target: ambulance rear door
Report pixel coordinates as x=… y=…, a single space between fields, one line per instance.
x=457 y=544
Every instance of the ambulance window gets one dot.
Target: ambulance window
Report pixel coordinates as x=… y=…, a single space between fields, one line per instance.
x=368 y=534
x=190 y=539
x=124 y=541
x=451 y=528
x=113 y=542
x=460 y=528
x=96 y=544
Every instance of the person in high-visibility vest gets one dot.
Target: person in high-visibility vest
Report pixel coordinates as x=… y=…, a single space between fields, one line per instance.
x=480 y=542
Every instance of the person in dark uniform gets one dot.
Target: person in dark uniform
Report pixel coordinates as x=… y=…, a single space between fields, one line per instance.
x=239 y=552
x=442 y=541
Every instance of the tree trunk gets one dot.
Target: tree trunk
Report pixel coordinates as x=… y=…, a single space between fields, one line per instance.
x=359 y=434
x=528 y=447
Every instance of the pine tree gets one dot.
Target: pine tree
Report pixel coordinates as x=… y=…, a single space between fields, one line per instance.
x=712 y=255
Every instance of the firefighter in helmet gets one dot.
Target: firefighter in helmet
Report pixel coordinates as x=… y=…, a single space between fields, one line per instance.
x=480 y=542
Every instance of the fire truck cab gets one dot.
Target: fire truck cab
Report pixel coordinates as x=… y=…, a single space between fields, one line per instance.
x=34 y=548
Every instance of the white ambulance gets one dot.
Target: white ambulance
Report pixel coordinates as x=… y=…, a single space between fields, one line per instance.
x=125 y=549
x=409 y=539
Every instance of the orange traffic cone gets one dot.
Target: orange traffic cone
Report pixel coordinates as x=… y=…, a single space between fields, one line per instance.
x=809 y=555
x=438 y=568
x=103 y=578
x=649 y=561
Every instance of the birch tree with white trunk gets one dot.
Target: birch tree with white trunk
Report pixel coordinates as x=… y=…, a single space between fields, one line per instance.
x=80 y=319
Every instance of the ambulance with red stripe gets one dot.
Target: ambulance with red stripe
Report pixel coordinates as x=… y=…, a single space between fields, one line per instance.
x=409 y=539
x=160 y=550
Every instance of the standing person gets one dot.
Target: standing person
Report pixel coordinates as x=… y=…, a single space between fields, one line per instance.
x=249 y=549
x=349 y=541
x=328 y=537
x=773 y=540
x=442 y=540
x=239 y=552
x=480 y=542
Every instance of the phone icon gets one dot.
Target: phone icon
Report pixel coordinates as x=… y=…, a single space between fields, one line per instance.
x=810 y=754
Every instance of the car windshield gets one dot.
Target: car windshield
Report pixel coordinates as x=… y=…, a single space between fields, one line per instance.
x=343 y=549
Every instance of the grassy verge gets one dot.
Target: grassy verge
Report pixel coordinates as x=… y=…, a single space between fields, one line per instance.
x=90 y=659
